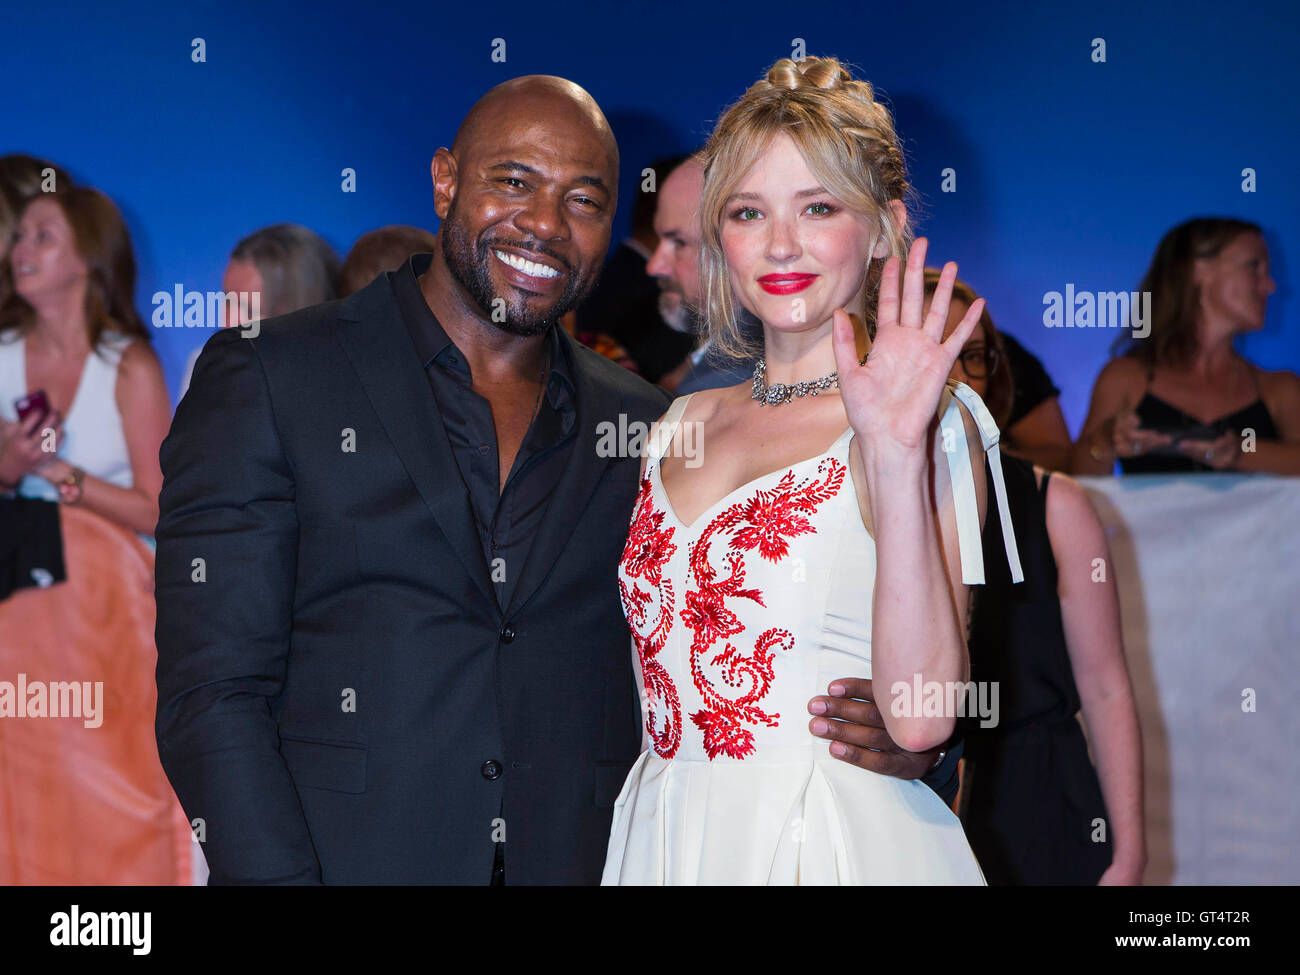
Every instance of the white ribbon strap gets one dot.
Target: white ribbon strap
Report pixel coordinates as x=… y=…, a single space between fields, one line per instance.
x=963 y=483
x=660 y=439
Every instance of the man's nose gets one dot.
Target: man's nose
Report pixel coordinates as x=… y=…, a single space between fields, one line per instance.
x=657 y=266
x=543 y=217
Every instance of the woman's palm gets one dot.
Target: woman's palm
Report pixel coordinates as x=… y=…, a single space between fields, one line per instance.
x=891 y=399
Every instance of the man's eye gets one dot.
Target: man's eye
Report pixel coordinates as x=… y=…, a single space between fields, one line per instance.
x=513 y=181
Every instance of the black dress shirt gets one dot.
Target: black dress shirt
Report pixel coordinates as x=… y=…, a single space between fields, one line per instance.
x=508 y=519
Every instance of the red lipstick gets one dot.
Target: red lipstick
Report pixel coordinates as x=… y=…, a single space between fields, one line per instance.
x=785 y=284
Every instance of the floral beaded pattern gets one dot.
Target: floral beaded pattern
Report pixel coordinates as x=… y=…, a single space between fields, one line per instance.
x=649 y=613
x=766 y=521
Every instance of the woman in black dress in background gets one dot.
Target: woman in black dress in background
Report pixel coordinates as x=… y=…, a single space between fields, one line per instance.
x=1035 y=810
x=1182 y=399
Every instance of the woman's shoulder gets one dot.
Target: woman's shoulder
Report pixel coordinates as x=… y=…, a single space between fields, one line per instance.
x=1280 y=391
x=1277 y=382
x=707 y=404
x=113 y=345
x=1074 y=528
x=133 y=358
x=1123 y=371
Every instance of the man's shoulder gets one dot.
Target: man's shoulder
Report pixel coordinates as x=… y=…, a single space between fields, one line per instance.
x=312 y=328
x=634 y=391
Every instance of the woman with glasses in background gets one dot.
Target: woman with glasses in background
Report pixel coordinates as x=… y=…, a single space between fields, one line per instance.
x=1035 y=811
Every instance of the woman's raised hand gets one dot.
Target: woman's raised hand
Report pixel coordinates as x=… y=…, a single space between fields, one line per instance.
x=893 y=397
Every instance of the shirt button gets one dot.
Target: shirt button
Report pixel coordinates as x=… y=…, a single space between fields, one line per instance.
x=491 y=769
x=507 y=634
x=484 y=448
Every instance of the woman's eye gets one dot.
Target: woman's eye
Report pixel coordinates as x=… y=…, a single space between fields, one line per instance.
x=741 y=214
x=825 y=209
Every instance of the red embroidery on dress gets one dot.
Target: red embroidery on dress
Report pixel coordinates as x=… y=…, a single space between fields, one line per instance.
x=765 y=522
x=648 y=548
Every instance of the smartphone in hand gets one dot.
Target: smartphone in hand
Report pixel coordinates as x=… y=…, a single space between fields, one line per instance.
x=1193 y=431
x=34 y=402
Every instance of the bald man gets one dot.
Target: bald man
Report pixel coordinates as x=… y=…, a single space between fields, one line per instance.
x=391 y=647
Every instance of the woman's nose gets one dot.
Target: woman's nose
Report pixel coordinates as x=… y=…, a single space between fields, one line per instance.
x=783 y=245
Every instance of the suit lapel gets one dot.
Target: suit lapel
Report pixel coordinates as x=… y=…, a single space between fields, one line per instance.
x=381 y=350
x=596 y=402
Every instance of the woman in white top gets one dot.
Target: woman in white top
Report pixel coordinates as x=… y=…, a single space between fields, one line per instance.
x=70 y=329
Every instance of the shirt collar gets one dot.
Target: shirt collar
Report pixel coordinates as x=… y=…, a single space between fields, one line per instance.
x=432 y=342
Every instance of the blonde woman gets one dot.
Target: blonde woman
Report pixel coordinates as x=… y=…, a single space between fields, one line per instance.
x=824 y=529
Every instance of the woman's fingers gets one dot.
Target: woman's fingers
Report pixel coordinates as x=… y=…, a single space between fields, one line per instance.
x=939 y=304
x=914 y=286
x=1217 y=453
x=887 y=303
x=32 y=422
x=964 y=330
x=1126 y=422
x=843 y=342
x=1137 y=441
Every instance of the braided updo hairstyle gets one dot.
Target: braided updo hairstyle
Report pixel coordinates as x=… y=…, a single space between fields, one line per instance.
x=848 y=140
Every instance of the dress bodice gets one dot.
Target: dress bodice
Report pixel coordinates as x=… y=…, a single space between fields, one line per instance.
x=742 y=616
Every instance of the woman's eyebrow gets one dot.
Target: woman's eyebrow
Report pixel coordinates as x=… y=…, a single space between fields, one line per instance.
x=811 y=191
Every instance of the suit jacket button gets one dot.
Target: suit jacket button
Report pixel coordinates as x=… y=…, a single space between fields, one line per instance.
x=507 y=634
x=491 y=769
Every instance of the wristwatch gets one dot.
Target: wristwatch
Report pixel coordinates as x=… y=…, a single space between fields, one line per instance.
x=70 y=486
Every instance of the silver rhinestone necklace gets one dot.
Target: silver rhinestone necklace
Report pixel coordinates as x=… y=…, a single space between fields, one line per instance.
x=779 y=393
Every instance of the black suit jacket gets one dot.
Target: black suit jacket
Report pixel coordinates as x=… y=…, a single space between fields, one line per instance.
x=340 y=699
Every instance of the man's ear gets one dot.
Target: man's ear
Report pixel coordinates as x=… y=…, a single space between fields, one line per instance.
x=898 y=215
x=444 y=173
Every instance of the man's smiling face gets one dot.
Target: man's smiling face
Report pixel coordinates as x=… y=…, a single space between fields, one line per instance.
x=528 y=224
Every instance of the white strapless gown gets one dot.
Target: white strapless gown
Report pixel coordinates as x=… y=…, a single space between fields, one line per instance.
x=739 y=619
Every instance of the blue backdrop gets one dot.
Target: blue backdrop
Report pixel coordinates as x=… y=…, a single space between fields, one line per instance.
x=1067 y=169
